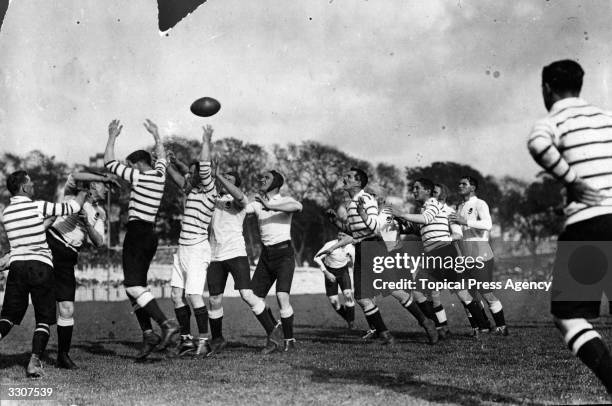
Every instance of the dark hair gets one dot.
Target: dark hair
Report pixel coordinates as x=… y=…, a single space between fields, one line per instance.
x=361 y=175
x=426 y=183
x=471 y=181
x=140 y=156
x=444 y=192
x=277 y=180
x=196 y=173
x=15 y=181
x=563 y=76
x=237 y=181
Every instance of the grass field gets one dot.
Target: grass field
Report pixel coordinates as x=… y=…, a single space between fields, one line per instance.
x=332 y=365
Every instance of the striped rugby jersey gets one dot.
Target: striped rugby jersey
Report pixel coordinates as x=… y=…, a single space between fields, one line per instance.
x=199 y=207
x=575 y=141
x=355 y=226
x=147 y=188
x=72 y=231
x=23 y=221
x=436 y=232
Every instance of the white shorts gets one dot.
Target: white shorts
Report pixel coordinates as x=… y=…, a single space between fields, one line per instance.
x=190 y=266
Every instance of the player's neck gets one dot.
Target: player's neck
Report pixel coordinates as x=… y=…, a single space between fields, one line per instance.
x=468 y=196
x=354 y=192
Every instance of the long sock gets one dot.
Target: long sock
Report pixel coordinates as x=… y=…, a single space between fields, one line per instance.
x=201 y=316
x=415 y=310
x=586 y=344
x=341 y=311
x=152 y=308
x=478 y=315
x=484 y=314
x=64 y=333
x=287 y=323
x=427 y=309
x=5 y=327
x=264 y=317
x=183 y=316
x=350 y=313
x=497 y=311
x=215 y=320
x=375 y=319
x=469 y=316
x=40 y=338
x=144 y=321
x=440 y=313
x=269 y=310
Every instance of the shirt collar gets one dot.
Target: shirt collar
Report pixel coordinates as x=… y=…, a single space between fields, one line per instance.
x=472 y=198
x=358 y=195
x=567 y=102
x=20 y=199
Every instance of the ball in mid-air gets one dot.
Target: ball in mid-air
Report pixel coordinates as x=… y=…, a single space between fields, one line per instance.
x=205 y=107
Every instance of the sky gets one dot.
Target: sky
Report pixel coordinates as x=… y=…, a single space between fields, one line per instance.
x=405 y=82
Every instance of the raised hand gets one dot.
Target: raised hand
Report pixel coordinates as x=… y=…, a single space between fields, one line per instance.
x=151 y=127
x=208 y=132
x=114 y=129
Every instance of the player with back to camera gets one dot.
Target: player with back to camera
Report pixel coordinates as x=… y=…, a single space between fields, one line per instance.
x=140 y=242
x=30 y=263
x=194 y=252
x=277 y=259
x=66 y=236
x=475 y=219
x=229 y=254
x=573 y=143
x=334 y=265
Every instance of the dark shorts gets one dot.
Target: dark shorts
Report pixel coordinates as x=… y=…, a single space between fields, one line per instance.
x=139 y=248
x=594 y=229
x=343 y=280
x=25 y=279
x=218 y=271
x=64 y=261
x=276 y=263
x=435 y=260
x=485 y=274
x=363 y=276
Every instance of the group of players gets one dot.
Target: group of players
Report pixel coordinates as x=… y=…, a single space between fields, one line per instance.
x=572 y=144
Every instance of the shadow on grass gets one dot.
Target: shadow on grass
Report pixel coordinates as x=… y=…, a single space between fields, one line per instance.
x=405 y=383
x=7 y=361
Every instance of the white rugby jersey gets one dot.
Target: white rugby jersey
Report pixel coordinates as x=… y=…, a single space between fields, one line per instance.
x=436 y=232
x=274 y=226
x=72 y=231
x=199 y=207
x=575 y=141
x=388 y=228
x=338 y=257
x=147 y=189
x=475 y=240
x=355 y=226
x=23 y=221
x=226 y=238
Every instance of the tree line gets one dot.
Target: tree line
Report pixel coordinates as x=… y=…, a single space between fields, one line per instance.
x=528 y=212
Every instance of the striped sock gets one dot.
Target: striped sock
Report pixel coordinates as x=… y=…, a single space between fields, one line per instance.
x=427 y=309
x=440 y=313
x=375 y=319
x=5 y=326
x=586 y=344
x=414 y=309
x=497 y=311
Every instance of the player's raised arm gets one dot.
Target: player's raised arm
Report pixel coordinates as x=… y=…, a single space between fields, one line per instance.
x=114 y=129
x=205 y=170
x=177 y=170
x=285 y=204
x=151 y=127
x=240 y=199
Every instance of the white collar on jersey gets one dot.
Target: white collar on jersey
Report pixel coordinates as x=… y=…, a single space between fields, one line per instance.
x=358 y=195
x=19 y=199
x=567 y=102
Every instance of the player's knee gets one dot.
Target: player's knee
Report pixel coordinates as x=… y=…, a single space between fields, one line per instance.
x=334 y=301
x=464 y=296
x=258 y=305
x=490 y=298
x=178 y=298
x=196 y=300
x=366 y=304
x=66 y=309
x=349 y=299
x=283 y=299
x=401 y=295
x=419 y=296
x=135 y=291
x=216 y=302
x=249 y=297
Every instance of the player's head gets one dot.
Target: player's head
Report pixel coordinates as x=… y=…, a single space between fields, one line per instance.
x=271 y=180
x=233 y=177
x=19 y=184
x=561 y=79
x=422 y=189
x=97 y=191
x=441 y=192
x=140 y=160
x=355 y=178
x=194 y=174
x=467 y=186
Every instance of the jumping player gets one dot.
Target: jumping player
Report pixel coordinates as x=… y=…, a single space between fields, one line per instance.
x=140 y=241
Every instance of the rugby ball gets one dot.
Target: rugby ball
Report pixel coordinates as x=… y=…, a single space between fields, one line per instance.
x=205 y=107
